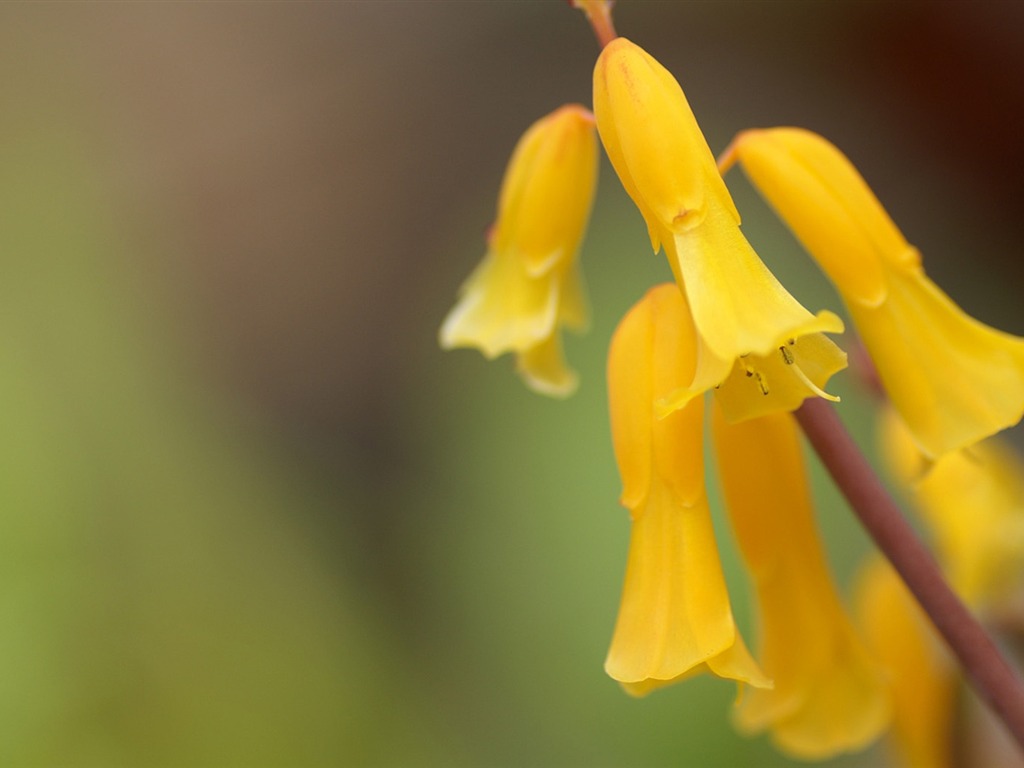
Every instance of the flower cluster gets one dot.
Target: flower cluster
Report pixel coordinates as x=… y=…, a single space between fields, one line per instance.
x=727 y=326
x=726 y=343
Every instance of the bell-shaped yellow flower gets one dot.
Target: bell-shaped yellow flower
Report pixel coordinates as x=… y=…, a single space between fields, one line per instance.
x=780 y=380
x=529 y=284
x=664 y=163
x=972 y=501
x=829 y=695
x=675 y=619
x=953 y=379
x=922 y=680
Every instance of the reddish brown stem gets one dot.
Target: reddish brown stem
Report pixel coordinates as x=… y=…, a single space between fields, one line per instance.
x=991 y=676
x=599 y=14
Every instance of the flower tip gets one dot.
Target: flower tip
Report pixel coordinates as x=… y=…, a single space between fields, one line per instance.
x=619 y=42
x=666 y=406
x=448 y=335
x=461 y=328
x=543 y=369
x=572 y=111
x=617 y=48
x=731 y=154
x=636 y=690
x=561 y=389
x=829 y=322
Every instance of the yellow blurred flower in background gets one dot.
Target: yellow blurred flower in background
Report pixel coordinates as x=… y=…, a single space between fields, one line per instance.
x=829 y=695
x=529 y=285
x=972 y=502
x=953 y=379
x=922 y=681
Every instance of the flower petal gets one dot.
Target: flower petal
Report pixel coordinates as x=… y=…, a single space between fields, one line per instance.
x=502 y=309
x=543 y=369
x=652 y=352
x=548 y=190
x=953 y=379
x=675 y=614
x=826 y=203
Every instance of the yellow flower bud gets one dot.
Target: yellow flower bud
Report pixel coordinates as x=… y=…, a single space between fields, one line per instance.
x=654 y=142
x=953 y=379
x=529 y=284
x=675 y=619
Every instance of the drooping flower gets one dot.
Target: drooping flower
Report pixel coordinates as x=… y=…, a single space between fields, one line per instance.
x=829 y=694
x=739 y=309
x=953 y=379
x=779 y=381
x=972 y=502
x=529 y=284
x=921 y=679
x=675 y=618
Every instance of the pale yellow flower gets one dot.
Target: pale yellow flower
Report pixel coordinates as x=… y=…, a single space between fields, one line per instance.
x=739 y=309
x=829 y=695
x=922 y=681
x=529 y=284
x=953 y=379
x=675 y=619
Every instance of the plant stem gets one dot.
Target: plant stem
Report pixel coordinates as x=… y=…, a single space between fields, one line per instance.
x=992 y=677
x=599 y=14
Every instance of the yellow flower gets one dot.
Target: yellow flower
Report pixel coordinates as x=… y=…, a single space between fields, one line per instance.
x=972 y=500
x=739 y=308
x=780 y=380
x=829 y=694
x=953 y=379
x=529 y=284
x=921 y=679
x=675 y=619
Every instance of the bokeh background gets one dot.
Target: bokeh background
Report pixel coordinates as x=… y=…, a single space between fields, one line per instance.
x=250 y=514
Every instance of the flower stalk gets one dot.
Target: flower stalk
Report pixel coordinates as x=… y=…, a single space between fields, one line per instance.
x=994 y=680
x=599 y=14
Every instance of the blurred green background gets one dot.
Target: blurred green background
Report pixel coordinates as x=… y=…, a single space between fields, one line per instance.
x=250 y=514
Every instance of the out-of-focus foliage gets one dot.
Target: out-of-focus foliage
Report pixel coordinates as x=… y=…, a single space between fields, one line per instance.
x=161 y=602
